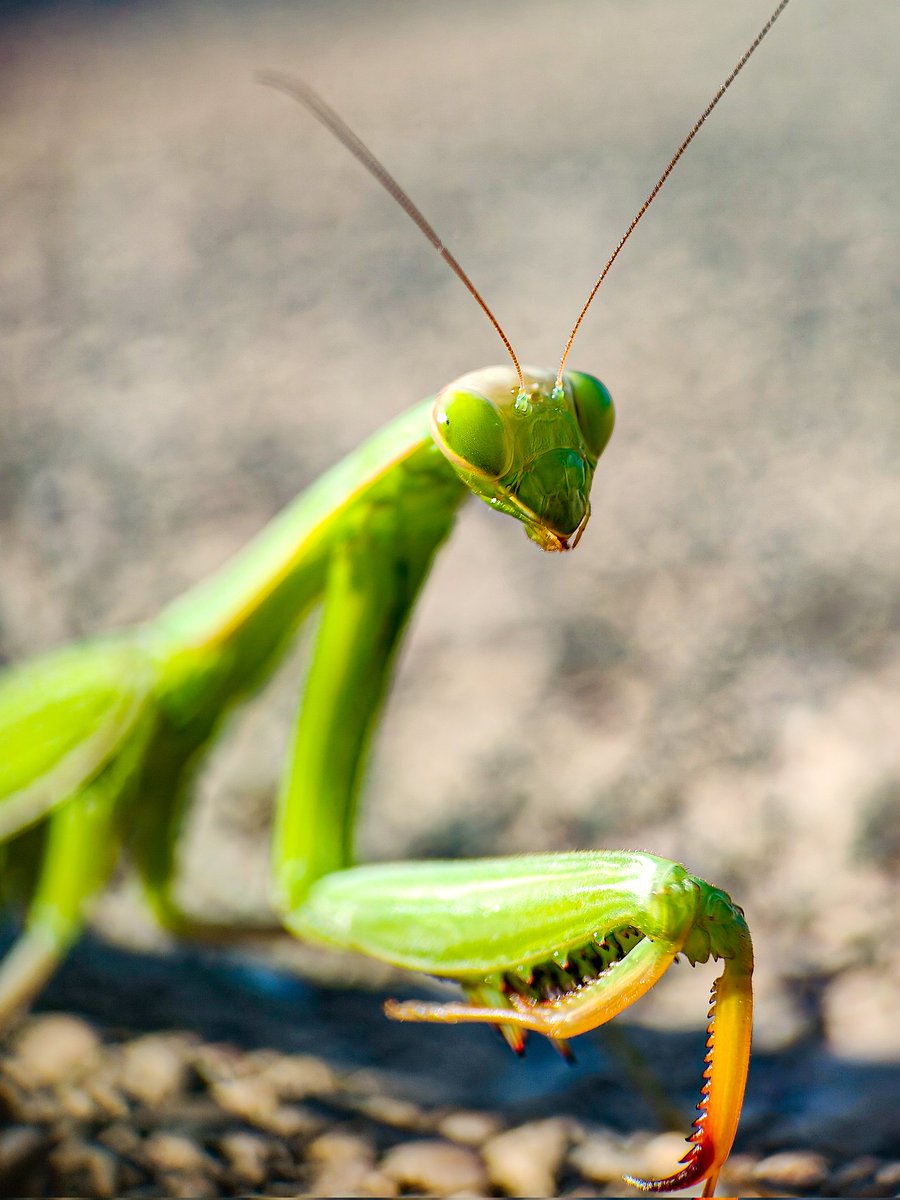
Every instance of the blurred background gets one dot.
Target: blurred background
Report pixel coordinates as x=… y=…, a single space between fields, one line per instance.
x=204 y=302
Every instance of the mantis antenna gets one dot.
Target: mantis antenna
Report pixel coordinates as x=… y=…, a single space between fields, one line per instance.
x=324 y=113
x=665 y=175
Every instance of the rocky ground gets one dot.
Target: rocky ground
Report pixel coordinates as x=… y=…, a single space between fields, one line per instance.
x=280 y=1089
x=204 y=303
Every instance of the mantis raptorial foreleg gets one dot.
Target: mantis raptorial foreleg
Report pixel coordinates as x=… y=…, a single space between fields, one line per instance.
x=575 y=939
x=99 y=743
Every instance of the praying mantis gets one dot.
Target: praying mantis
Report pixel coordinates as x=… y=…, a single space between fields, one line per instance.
x=100 y=739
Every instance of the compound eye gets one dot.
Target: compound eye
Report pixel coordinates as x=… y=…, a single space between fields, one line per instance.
x=471 y=431
x=594 y=409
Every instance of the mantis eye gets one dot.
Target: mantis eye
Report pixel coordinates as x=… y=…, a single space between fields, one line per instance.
x=471 y=432
x=594 y=409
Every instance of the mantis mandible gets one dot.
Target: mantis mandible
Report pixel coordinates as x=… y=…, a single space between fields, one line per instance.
x=99 y=741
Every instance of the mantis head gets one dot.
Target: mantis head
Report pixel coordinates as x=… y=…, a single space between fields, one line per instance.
x=527 y=446
x=526 y=441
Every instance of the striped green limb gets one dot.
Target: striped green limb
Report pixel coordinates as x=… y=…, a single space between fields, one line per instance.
x=63 y=863
x=100 y=741
x=359 y=542
x=73 y=728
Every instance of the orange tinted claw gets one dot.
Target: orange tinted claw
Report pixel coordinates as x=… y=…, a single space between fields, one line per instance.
x=727 y=1060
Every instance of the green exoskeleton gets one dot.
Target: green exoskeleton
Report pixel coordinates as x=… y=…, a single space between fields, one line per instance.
x=99 y=741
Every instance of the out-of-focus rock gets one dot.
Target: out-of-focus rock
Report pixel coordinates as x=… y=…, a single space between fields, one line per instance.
x=53 y=1048
x=84 y=1169
x=436 y=1167
x=469 y=1127
x=153 y=1068
x=797 y=1170
x=525 y=1161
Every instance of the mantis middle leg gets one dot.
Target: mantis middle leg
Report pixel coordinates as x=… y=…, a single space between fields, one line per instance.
x=377 y=566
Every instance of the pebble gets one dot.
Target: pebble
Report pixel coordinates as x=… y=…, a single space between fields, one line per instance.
x=436 y=1167
x=738 y=1171
x=798 y=1170
x=348 y=1179
x=377 y=1184
x=189 y=1113
x=340 y=1147
x=658 y=1156
x=76 y=1103
x=214 y=1061
x=251 y=1096
x=12 y=1093
x=342 y=1165
x=173 y=1152
x=602 y=1157
x=468 y=1127
x=52 y=1049
x=247 y=1155
x=176 y=1183
x=296 y=1076
x=255 y=1099
x=526 y=1161
x=20 y=1146
x=605 y=1157
x=290 y=1120
x=888 y=1177
x=121 y=1138
x=391 y=1111
x=106 y=1097
x=39 y=1107
x=846 y=1175
x=84 y=1169
x=153 y=1069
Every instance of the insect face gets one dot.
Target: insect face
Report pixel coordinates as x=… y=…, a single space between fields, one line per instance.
x=527 y=450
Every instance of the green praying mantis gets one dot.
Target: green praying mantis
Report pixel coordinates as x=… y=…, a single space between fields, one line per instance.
x=100 y=741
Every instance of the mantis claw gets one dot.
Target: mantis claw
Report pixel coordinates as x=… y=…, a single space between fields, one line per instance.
x=724 y=1075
